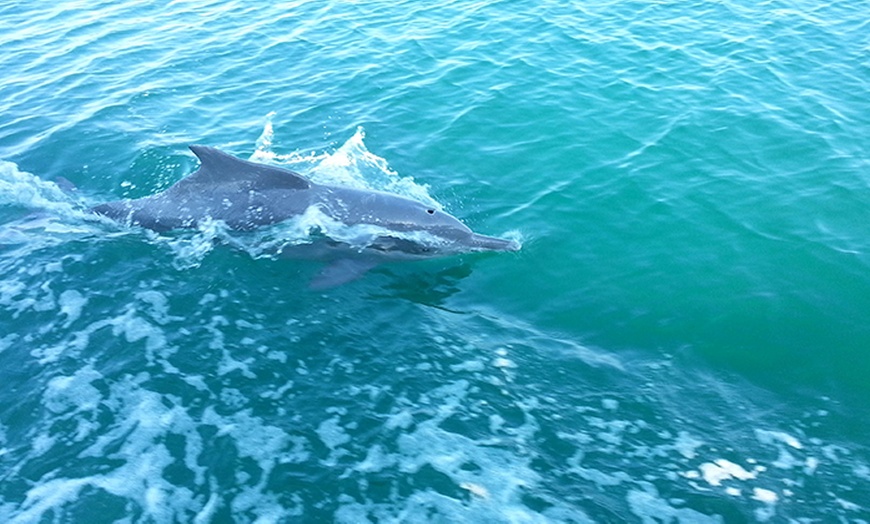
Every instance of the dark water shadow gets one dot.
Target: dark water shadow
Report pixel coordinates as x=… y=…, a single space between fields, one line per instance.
x=421 y=285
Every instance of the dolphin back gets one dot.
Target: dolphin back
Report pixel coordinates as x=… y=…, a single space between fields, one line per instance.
x=217 y=167
x=243 y=194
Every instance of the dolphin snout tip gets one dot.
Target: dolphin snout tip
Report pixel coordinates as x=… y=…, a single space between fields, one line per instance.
x=487 y=243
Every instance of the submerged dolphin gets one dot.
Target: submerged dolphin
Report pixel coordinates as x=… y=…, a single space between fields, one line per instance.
x=246 y=195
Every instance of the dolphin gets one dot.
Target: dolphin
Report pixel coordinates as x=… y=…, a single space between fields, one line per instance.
x=247 y=195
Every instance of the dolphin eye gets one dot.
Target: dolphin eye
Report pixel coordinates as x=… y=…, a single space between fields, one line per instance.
x=430 y=211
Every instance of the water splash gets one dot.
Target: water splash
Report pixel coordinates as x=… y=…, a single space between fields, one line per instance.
x=41 y=214
x=22 y=189
x=350 y=165
x=275 y=241
x=191 y=248
x=264 y=143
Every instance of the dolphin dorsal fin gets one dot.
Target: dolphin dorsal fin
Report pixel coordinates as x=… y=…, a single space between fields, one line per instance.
x=218 y=167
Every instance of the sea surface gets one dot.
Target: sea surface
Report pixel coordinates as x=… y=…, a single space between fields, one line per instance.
x=683 y=337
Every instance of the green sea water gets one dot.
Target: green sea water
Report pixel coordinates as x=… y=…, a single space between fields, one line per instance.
x=683 y=337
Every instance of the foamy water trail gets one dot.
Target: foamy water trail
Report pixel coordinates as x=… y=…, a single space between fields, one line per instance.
x=683 y=338
x=42 y=214
x=459 y=429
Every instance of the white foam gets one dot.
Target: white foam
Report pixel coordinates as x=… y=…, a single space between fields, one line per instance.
x=264 y=443
x=190 y=249
x=811 y=465
x=144 y=420
x=42 y=443
x=651 y=508
x=786 y=460
x=71 y=303
x=18 y=297
x=74 y=392
x=714 y=473
x=280 y=392
x=233 y=398
x=20 y=188
x=228 y=364
x=70 y=348
x=494 y=478
x=332 y=434
x=10 y=289
x=503 y=363
x=52 y=217
x=128 y=324
x=400 y=419
x=7 y=341
x=771 y=437
x=861 y=470
x=206 y=514
x=687 y=445
x=45 y=496
x=469 y=365
x=376 y=460
x=157 y=305
x=847 y=505
x=764 y=513
x=596 y=476
x=266 y=507
x=764 y=495
x=496 y=423
x=498 y=479
x=497 y=482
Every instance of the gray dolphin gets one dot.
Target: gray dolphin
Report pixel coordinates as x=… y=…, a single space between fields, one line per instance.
x=246 y=195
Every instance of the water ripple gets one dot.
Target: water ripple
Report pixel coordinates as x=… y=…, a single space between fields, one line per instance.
x=693 y=179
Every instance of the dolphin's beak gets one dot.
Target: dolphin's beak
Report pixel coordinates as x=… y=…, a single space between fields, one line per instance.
x=485 y=243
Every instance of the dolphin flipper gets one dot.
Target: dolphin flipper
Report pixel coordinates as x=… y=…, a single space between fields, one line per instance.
x=340 y=272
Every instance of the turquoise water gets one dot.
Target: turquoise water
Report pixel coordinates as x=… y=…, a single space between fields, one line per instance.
x=683 y=337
